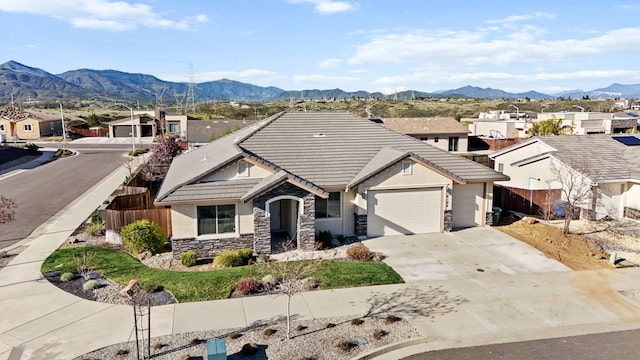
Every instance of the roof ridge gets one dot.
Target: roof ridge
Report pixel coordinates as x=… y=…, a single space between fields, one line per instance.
x=259 y=127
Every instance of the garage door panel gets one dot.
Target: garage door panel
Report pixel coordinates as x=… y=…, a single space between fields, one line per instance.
x=396 y=212
x=467 y=205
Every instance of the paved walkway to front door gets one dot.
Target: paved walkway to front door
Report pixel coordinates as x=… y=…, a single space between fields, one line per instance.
x=461 y=254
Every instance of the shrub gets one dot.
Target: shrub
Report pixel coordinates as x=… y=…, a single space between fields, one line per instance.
x=94 y=229
x=31 y=147
x=89 y=285
x=330 y=325
x=340 y=238
x=66 y=276
x=249 y=285
x=142 y=235
x=269 y=331
x=121 y=352
x=379 y=334
x=269 y=280
x=391 y=319
x=231 y=258
x=158 y=346
x=62 y=153
x=188 y=258
x=357 y=321
x=324 y=239
x=360 y=252
x=249 y=349
x=301 y=327
x=138 y=152
x=85 y=264
x=96 y=218
x=309 y=283
x=346 y=345
x=234 y=335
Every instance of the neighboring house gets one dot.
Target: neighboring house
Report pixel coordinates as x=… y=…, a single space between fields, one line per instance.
x=22 y=124
x=175 y=125
x=610 y=165
x=584 y=123
x=142 y=124
x=201 y=132
x=442 y=132
x=495 y=130
x=299 y=173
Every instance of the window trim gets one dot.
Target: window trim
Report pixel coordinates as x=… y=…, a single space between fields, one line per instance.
x=500 y=167
x=177 y=125
x=217 y=234
x=24 y=127
x=329 y=218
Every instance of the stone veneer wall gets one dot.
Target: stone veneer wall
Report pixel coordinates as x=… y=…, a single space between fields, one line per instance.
x=207 y=248
x=448 y=220
x=360 y=225
x=306 y=221
x=631 y=213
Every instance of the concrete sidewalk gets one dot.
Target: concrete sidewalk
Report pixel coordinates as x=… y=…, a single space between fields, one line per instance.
x=39 y=321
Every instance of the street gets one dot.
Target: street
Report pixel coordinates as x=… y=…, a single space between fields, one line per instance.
x=45 y=190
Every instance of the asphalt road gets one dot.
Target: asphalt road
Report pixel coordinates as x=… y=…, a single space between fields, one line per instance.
x=622 y=345
x=45 y=190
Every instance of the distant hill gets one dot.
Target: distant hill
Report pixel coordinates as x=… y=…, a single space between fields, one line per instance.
x=24 y=82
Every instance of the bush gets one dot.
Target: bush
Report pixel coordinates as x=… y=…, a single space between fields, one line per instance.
x=31 y=147
x=96 y=229
x=96 y=218
x=360 y=252
x=379 y=334
x=89 y=285
x=231 y=258
x=249 y=349
x=62 y=153
x=234 y=335
x=138 y=152
x=330 y=325
x=340 y=238
x=142 y=235
x=66 y=277
x=269 y=280
x=324 y=239
x=301 y=327
x=121 y=352
x=249 y=285
x=357 y=321
x=269 y=331
x=188 y=258
x=391 y=319
x=346 y=345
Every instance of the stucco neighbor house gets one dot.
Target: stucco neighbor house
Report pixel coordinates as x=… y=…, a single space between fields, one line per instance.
x=298 y=173
x=16 y=123
x=445 y=133
x=608 y=165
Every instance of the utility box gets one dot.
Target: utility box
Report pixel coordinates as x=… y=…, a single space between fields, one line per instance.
x=216 y=349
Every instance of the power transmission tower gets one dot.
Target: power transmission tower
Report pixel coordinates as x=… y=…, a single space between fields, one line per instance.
x=179 y=101
x=159 y=94
x=191 y=96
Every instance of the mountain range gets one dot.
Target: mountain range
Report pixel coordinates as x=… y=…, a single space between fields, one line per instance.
x=23 y=82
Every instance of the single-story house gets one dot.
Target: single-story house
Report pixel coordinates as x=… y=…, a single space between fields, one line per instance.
x=605 y=166
x=298 y=173
x=445 y=133
x=22 y=124
x=142 y=124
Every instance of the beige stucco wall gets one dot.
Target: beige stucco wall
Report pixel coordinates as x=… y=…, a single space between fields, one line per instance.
x=632 y=197
x=181 y=119
x=34 y=134
x=520 y=175
x=184 y=220
x=230 y=172
x=345 y=224
x=6 y=128
x=611 y=200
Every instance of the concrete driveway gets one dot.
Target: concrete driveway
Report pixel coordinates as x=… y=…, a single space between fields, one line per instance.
x=461 y=254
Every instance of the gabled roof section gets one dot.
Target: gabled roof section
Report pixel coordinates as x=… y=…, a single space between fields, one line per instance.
x=385 y=158
x=210 y=191
x=330 y=149
x=425 y=125
x=193 y=165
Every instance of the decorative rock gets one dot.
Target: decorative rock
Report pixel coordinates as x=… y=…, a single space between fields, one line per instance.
x=131 y=289
x=144 y=255
x=73 y=240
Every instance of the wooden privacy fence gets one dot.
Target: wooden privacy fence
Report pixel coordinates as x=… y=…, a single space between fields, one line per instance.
x=114 y=220
x=136 y=198
x=92 y=132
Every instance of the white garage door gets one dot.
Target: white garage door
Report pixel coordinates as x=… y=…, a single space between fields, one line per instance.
x=467 y=205
x=396 y=212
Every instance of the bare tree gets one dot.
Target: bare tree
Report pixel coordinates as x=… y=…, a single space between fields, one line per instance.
x=7 y=209
x=163 y=150
x=290 y=277
x=578 y=190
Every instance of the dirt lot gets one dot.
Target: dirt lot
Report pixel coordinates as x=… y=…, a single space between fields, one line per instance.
x=587 y=247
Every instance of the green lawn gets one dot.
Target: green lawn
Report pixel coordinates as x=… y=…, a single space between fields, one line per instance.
x=215 y=284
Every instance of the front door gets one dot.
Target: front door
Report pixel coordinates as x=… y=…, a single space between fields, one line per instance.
x=284 y=225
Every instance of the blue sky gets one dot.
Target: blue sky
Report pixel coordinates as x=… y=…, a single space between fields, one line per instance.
x=387 y=46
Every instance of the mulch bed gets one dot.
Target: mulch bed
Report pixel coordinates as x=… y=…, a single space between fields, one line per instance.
x=11 y=156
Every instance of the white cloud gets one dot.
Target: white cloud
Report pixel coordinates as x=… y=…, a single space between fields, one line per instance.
x=328 y=7
x=101 y=14
x=31 y=46
x=323 y=78
x=330 y=63
x=249 y=75
x=519 y=18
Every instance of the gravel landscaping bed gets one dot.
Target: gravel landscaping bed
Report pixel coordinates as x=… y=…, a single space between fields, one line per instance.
x=334 y=338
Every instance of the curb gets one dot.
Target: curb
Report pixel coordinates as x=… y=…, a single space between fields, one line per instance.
x=372 y=354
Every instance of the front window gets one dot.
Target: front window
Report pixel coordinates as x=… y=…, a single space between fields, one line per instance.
x=406 y=167
x=330 y=207
x=174 y=128
x=27 y=127
x=453 y=143
x=216 y=219
x=2 y=127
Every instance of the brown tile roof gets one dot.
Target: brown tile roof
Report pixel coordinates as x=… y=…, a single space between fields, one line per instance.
x=17 y=114
x=425 y=125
